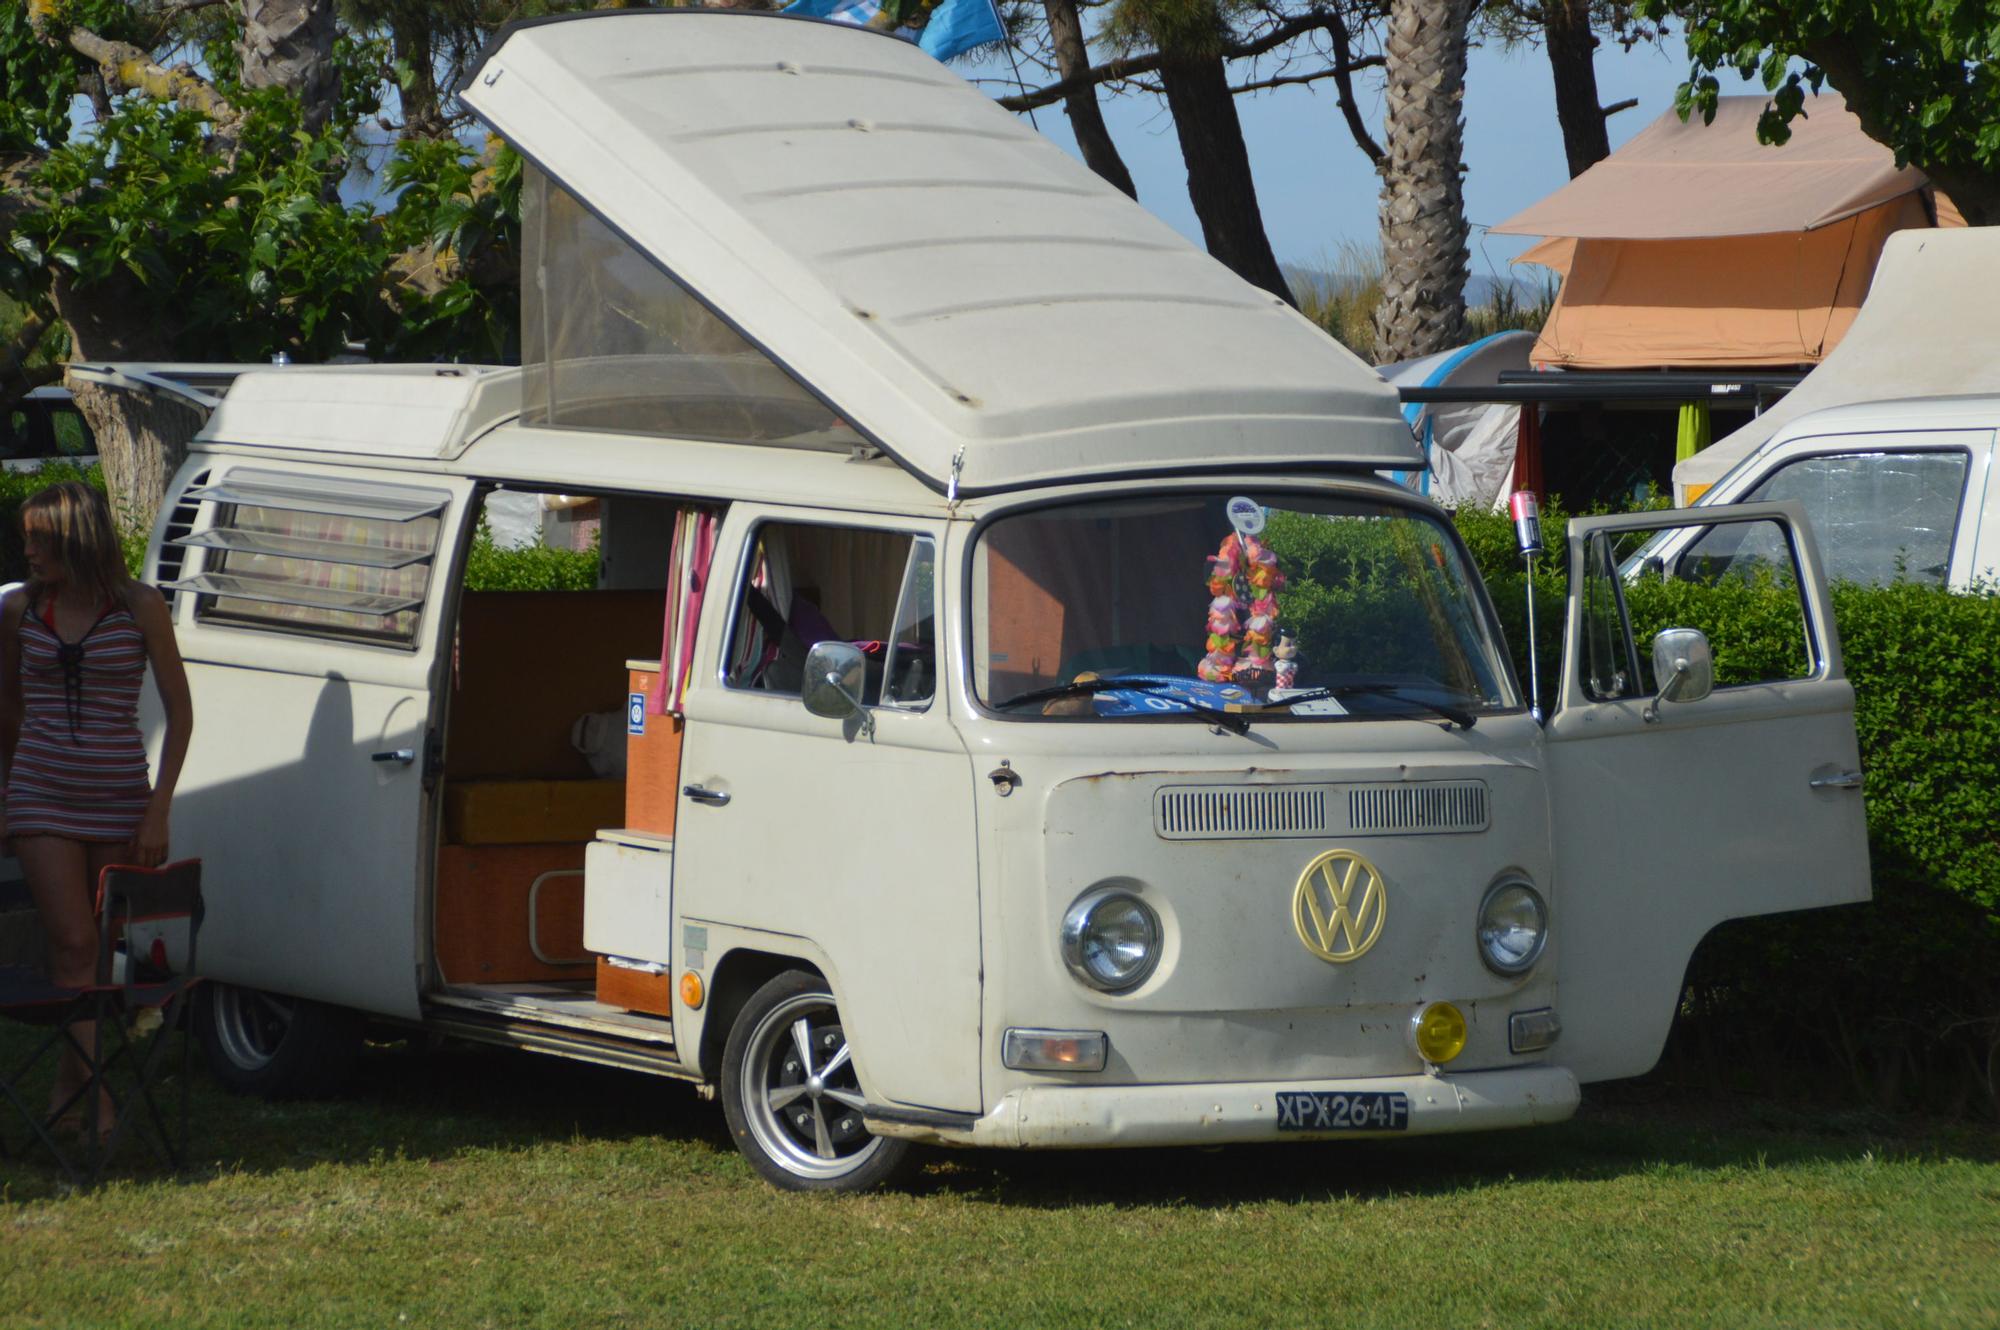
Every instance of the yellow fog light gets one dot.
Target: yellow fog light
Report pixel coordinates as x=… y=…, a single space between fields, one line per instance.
x=1440 y=1033
x=691 y=994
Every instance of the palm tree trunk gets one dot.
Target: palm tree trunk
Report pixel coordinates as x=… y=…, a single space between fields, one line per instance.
x=1218 y=166
x=289 y=44
x=1423 y=190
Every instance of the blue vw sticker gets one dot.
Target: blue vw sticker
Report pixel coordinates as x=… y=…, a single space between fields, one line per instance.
x=635 y=713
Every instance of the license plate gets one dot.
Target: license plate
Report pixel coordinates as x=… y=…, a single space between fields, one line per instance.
x=1334 y=1110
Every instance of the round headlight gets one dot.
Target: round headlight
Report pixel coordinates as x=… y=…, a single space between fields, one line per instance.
x=1111 y=939
x=1513 y=927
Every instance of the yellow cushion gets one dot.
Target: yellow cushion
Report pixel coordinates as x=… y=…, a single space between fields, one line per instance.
x=525 y=812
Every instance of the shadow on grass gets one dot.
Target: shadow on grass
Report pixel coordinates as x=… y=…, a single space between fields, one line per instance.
x=415 y=1102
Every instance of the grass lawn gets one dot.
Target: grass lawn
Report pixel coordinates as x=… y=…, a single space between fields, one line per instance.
x=468 y=1187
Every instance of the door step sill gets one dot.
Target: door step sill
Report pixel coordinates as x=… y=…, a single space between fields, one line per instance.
x=565 y=1021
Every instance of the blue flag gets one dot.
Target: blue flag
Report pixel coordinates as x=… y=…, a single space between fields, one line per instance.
x=857 y=12
x=958 y=26
x=955 y=26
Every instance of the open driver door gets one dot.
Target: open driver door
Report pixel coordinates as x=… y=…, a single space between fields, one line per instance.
x=1671 y=816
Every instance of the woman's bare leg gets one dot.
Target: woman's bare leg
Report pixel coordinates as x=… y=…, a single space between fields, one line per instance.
x=59 y=877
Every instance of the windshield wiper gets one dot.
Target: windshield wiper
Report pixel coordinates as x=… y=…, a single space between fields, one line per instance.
x=1399 y=691
x=1234 y=722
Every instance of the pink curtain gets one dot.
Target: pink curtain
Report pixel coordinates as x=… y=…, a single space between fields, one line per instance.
x=687 y=585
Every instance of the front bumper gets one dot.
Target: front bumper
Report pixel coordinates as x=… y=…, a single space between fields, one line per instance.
x=1076 y=1116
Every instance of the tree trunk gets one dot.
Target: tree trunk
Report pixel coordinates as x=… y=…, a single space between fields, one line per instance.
x=411 y=34
x=1086 y=118
x=142 y=440
x=1218 y=167
x=289 y=44
x=1976 y=192
x=1423 y=189
x=1571 y=44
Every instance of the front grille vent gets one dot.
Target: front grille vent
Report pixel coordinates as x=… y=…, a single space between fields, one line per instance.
x=1278 y=810
x=1259 y=812
x=1456 y=806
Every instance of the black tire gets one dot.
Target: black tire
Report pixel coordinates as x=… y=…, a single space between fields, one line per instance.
x=274 y=1046
x=797 y=1124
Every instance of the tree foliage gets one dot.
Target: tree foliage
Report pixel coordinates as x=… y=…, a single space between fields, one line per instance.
x=218 y=225
x=1924 y=78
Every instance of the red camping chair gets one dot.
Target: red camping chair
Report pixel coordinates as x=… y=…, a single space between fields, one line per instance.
x=137 y=909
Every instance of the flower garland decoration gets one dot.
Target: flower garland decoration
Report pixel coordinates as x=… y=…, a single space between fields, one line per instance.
x=1243 y=585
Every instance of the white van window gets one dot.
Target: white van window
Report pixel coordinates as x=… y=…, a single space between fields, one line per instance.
x=1876 y=517
x=610 y=341
x=808 y=584
x=305 y=554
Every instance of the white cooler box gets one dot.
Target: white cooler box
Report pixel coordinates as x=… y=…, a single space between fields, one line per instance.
x=627 y=893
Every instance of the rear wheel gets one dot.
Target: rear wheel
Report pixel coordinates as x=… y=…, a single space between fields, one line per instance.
x=275 y=1046
x=791 y=1096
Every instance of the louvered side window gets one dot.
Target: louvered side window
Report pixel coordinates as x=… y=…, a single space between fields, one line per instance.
x=172 y=559
x=348 y=559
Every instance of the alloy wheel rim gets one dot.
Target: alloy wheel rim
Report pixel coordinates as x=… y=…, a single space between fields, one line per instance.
x=803 y=1101
x=250 y=1025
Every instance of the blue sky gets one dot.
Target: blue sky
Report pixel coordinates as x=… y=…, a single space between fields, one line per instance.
x=1318 y=192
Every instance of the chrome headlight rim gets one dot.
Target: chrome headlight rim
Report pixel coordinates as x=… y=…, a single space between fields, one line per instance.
x=1075 y=929
x=1511 y=969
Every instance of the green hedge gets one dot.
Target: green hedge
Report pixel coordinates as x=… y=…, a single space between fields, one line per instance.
x=1896 y=1001
x=490 y=567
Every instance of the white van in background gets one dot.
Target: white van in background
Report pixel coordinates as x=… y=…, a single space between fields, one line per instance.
x=1895 y=491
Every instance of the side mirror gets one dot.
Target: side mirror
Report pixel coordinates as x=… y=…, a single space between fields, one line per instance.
x=1684 y=667
x=835 y=675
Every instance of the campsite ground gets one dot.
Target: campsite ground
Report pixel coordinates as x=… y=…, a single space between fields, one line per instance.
x=464 y=1187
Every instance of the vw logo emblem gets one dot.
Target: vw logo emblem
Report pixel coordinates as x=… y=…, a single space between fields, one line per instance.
x=1339 y=906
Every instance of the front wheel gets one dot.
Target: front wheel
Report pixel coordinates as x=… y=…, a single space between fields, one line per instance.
x=275 y=1046
x=791 y=1096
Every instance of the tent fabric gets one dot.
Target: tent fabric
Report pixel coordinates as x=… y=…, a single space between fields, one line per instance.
x=1686 y=180
x=1781 y=299
x=1469 y=446
x=1928 y=329
x=1472 y=472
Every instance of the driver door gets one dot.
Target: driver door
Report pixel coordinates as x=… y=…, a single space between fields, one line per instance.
x=1744 y=802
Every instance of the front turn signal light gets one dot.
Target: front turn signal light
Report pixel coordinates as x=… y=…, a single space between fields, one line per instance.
x=1440 y=1033
x=691 y=990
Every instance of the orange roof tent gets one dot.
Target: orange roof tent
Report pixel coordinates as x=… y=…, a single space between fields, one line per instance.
x=1696 y=246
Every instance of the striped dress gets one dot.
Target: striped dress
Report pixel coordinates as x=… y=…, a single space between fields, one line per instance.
x=80 y=767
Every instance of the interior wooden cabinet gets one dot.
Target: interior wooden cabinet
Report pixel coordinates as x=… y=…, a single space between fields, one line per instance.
x=519 y=802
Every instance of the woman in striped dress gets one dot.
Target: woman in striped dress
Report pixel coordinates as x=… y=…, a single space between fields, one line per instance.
x=74 y=646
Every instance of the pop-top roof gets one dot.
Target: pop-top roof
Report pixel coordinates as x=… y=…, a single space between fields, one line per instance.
x=940 y=274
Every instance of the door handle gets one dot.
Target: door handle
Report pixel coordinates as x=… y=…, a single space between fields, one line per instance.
x=404 y=755
x=1845 y=780
x=703 y=795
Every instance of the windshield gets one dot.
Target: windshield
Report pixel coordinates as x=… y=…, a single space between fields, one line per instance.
x=1229 y=602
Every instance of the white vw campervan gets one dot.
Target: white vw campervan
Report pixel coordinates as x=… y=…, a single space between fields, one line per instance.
x=1040 y=727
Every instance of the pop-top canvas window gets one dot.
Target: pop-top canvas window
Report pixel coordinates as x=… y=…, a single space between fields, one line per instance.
x=610 y=341
x=328 y=558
